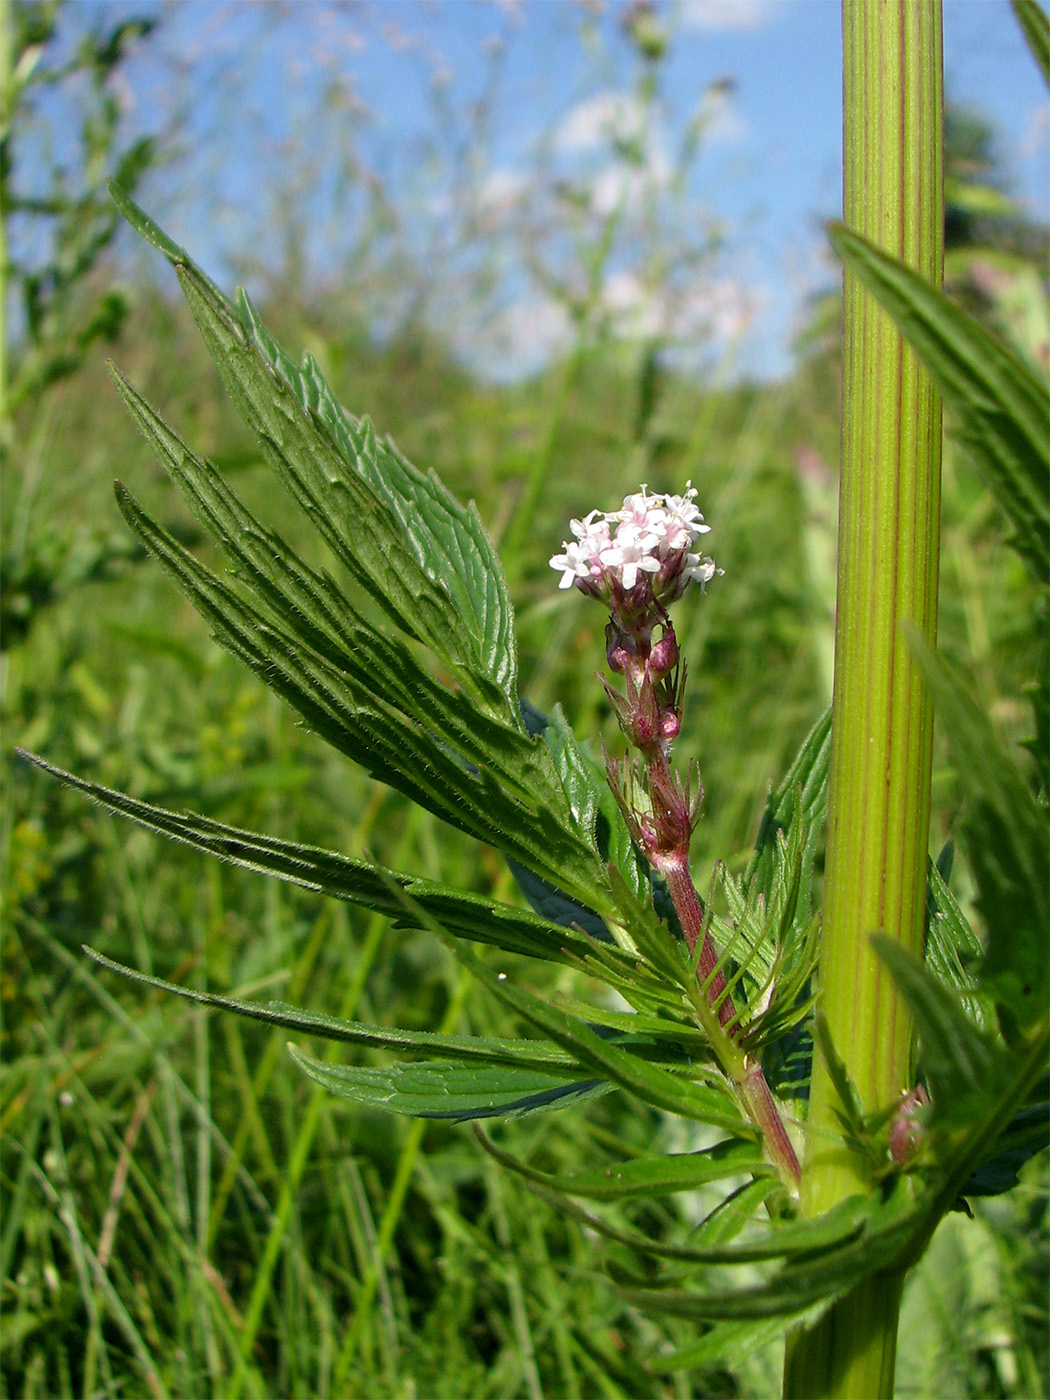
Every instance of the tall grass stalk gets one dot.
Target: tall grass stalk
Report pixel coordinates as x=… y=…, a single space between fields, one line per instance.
x=878 y=825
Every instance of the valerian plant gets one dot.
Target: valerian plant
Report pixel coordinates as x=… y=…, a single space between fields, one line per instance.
x=735 y=1003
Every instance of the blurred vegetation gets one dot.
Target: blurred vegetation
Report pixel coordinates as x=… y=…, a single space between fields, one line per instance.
x=175 y=1198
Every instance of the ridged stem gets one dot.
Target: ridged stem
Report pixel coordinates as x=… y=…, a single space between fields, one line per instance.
x=878 y=823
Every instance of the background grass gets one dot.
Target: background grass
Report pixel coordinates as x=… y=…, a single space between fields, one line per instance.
x=183 y=1213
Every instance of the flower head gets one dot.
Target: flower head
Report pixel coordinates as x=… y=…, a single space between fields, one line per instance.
x=639 y=556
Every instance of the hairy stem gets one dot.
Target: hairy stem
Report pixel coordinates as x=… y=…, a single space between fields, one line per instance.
x=743 y=1070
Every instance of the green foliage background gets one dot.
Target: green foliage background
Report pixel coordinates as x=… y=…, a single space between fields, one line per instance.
x=184 y=1214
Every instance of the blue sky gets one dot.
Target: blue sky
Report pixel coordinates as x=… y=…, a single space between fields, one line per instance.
x=429 y=149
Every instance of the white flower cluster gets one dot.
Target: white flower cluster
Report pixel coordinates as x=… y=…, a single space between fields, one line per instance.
x=651 y=534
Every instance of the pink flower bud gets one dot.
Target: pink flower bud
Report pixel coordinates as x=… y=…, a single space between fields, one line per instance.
x=664 y=655
x=670 y=724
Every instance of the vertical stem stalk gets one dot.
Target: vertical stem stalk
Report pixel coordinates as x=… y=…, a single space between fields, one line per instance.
x=878 y=826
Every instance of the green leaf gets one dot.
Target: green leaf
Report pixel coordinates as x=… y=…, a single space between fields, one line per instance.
x=837 y=1230
x=651 y=1083
x=952 y=949
x=679 y=1093
x=734 y=1341
x=310 y=609
x=356 y=718
x=644 y=1176
x=1002 y=411
x=439 y=1090
x=462 y=749
x=591 y=801
x=468 y=1050
x=448 y=539
x=852 y=1114
x=733 y=1214
x=440 y=577
x=802 y=796
x=1007 y=839
x=464 y=914
x=1036 y=27
x=876 y=1233
x=962 y=1065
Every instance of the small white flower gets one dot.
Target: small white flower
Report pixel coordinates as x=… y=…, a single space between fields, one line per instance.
x=701 y=570
x=652 y=533
x=631 y=551
x=684 y=521
x=582 y=556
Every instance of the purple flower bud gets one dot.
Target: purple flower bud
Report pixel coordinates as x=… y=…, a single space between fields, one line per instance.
x=670 y=724
x=906 y=1127
x=664 y=656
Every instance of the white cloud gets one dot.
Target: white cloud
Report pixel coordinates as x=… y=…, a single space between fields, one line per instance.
x=724 y=14
x=598 y=120
x=517 y=341
x=501 y=190
x=716 y=310
x=625 y=187
x=718 y=116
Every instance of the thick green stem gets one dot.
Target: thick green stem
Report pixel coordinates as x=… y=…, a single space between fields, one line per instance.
x=878 y=825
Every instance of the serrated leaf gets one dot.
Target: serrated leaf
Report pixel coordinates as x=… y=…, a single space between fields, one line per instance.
x=802 y=795
x=449 y=540
x=354 y=716
x=679 y=1093
x=1008 y=842
x=358 y=525
x=952 y=949
x=649 y=1082
x=591 y=801
x=961 y=1064
x=439 y=1090
x=482 y=1050
x=466 y=915
x=837 y=1230
x=310 y=609
x=725 y=1341
x=885 y=1230
x=681 y=1032
x=1002 y=411
x=364 y=496
x=644 y=1176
